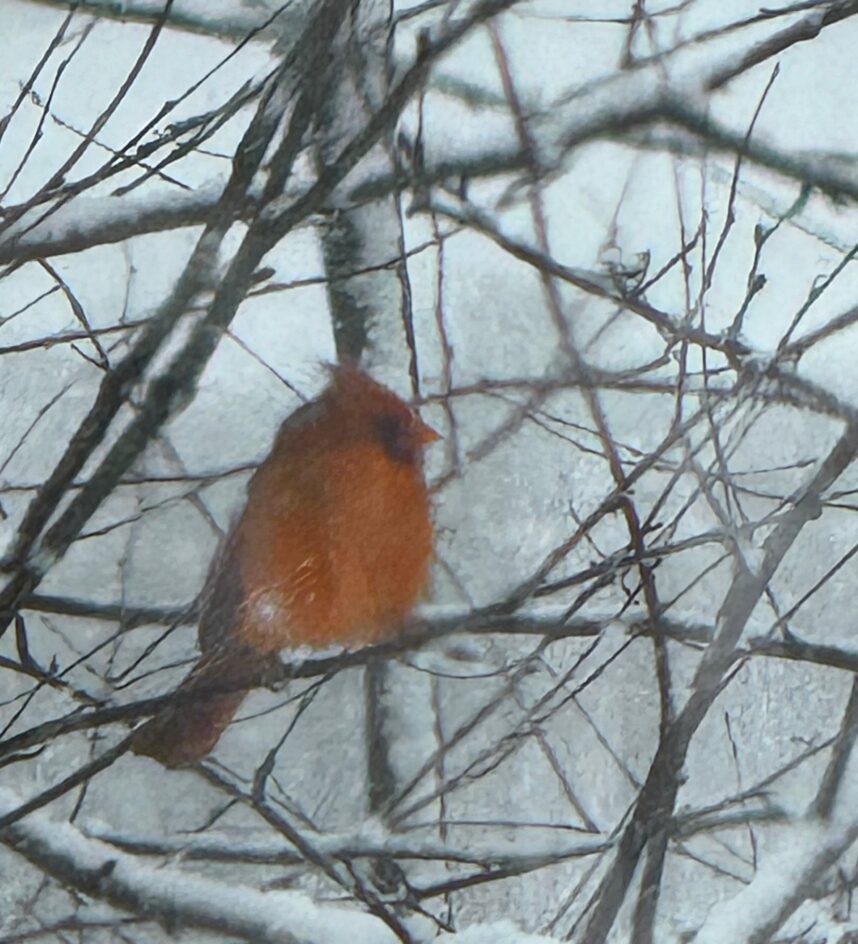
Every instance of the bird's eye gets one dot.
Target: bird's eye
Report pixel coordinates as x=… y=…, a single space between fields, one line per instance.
x=394 y=435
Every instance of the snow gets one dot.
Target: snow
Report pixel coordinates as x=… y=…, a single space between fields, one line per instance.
x=496 y=932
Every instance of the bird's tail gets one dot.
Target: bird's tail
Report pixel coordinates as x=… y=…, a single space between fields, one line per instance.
x=206 y=701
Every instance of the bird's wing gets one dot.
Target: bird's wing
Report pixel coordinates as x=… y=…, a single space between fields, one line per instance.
x=221 y=597
x=223 y=594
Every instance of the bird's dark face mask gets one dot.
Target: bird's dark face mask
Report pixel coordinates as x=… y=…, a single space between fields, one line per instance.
x=404 y=436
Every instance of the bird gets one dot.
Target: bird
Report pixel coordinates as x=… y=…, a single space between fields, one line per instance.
x=333 y=548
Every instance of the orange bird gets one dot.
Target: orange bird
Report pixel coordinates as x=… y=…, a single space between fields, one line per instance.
x=333 y=548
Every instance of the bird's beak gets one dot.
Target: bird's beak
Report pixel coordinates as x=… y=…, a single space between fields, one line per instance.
x=425 y=434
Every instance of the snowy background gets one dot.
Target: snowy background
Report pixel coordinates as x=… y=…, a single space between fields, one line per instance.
x=608 y=247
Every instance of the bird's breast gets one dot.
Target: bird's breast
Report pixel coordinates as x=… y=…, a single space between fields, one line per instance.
x=335 y=554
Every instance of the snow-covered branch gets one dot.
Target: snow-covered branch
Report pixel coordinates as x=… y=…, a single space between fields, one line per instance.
x=84 y=222
x=800 y=853
x=222 y=18
x=172 y=896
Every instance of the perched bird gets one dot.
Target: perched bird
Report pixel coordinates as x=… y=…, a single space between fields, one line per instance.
x=333 y=548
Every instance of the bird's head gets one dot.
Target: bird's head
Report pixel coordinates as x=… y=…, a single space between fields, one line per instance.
x=376 y=412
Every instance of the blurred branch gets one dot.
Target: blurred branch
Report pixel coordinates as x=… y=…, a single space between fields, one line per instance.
x=278 y=672
x=487 y=853
x=167 y=392
x=654 y=805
